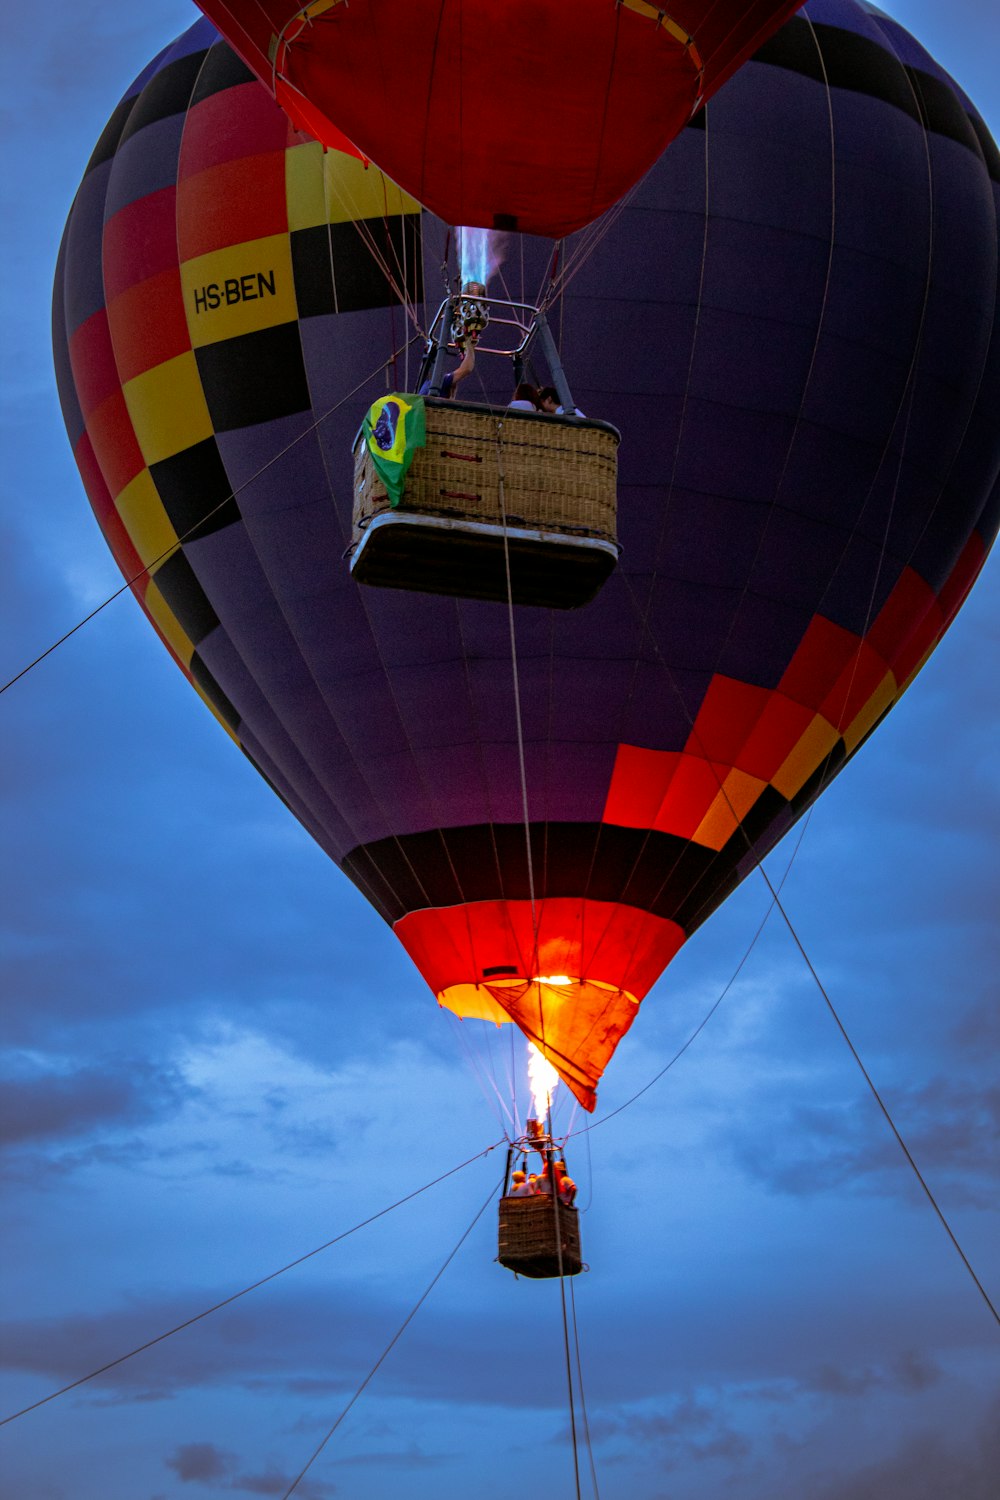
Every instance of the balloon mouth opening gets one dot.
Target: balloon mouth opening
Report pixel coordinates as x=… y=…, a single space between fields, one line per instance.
x=554 y=994
x=575 y=1024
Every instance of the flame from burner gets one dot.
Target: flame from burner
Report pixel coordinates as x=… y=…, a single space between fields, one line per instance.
x=542 y=1078
x=480 y=253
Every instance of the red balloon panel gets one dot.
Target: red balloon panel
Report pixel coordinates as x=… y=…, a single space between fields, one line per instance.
x=516 y=116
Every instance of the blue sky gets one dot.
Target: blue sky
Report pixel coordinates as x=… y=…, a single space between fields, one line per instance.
x=216 y=1057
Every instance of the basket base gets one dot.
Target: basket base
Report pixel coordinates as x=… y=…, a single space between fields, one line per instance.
x=467 y=559
x=540 y=1267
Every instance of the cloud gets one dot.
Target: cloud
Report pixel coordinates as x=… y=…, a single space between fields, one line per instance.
x=688 y=1429
x=274 y=1481
x=910 y=1373
x=978 y=1026
x=204 y=1463
x=199 y=1461
x=44 y=1100
x=928 y=1467
x=951 y=1129
x=222 y=1102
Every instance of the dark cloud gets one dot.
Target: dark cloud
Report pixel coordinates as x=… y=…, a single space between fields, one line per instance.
x=269 y=1482
x=311 y=1348
x=688 y=1429
x=929 y=1467
x=199 y=1461
x=952 y=1130
x=52 y=1104
x=205 y=1464
x=978 y=1026
x=306 y=1141
x=303 y=1344
x=910 y=1373
x=275 y=1481
x=58 y=1121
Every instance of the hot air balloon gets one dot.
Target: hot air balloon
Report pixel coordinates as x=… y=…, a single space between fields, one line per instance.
x=792 y=323
x=518 y=116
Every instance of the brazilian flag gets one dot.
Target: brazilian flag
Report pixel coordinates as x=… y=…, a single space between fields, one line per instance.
x=394 y=428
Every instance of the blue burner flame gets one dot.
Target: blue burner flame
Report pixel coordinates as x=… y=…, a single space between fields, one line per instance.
x=480 y=252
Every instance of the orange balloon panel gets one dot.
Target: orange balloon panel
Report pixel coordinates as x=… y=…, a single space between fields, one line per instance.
x=573 y=987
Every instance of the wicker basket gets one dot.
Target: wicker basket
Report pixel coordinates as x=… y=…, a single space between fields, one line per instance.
x=490 y=488
x=528 y=1243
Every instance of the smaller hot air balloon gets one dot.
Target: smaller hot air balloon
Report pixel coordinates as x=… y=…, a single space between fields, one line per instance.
x=514 y=116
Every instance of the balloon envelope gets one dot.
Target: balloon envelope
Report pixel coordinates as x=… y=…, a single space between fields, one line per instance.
x=794 y=325
x=517 y=116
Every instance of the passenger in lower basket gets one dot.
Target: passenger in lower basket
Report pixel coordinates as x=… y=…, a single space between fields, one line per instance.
x=565 y=1184
x=519 y=1186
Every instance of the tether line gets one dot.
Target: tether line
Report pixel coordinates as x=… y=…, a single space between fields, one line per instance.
x=235 y=1296
x=392 y=1342
x=757 y=858
x=190 y=532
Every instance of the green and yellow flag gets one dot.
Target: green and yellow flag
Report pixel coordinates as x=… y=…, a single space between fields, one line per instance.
x=394 y=428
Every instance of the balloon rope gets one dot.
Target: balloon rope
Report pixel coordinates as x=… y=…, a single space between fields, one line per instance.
x=586 y=1129
x=878 y=1097
x=586 y=243
x=901 y=418
x=534 y=927
x=262 y=1281
x=366 y=604
x=583 y=1399
x=518 y=719
x=392 y=1342
x=757 y=858
x=554 y=1195
x=608 y=86
x=533 y=974
x=185 y=535
x=360 y=223
x=485 y=1082
x=517 y=690
x=903 y=413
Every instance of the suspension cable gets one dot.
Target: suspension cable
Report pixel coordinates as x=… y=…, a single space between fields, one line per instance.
x=878 y=1097
x=583 y=1398
x=392 y=1342
x=554 y=1191
x=235 y=1296
x=534 y=927
x=586 y=1129
x=517 y=690
x=197 y=525
x=523 y=770
x=757 y=858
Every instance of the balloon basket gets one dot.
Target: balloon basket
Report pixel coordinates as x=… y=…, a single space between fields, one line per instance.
x=533 y=1232
x=539 y=1234
x=491 y=491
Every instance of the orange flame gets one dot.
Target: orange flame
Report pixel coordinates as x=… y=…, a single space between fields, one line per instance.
x=543 y=1079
